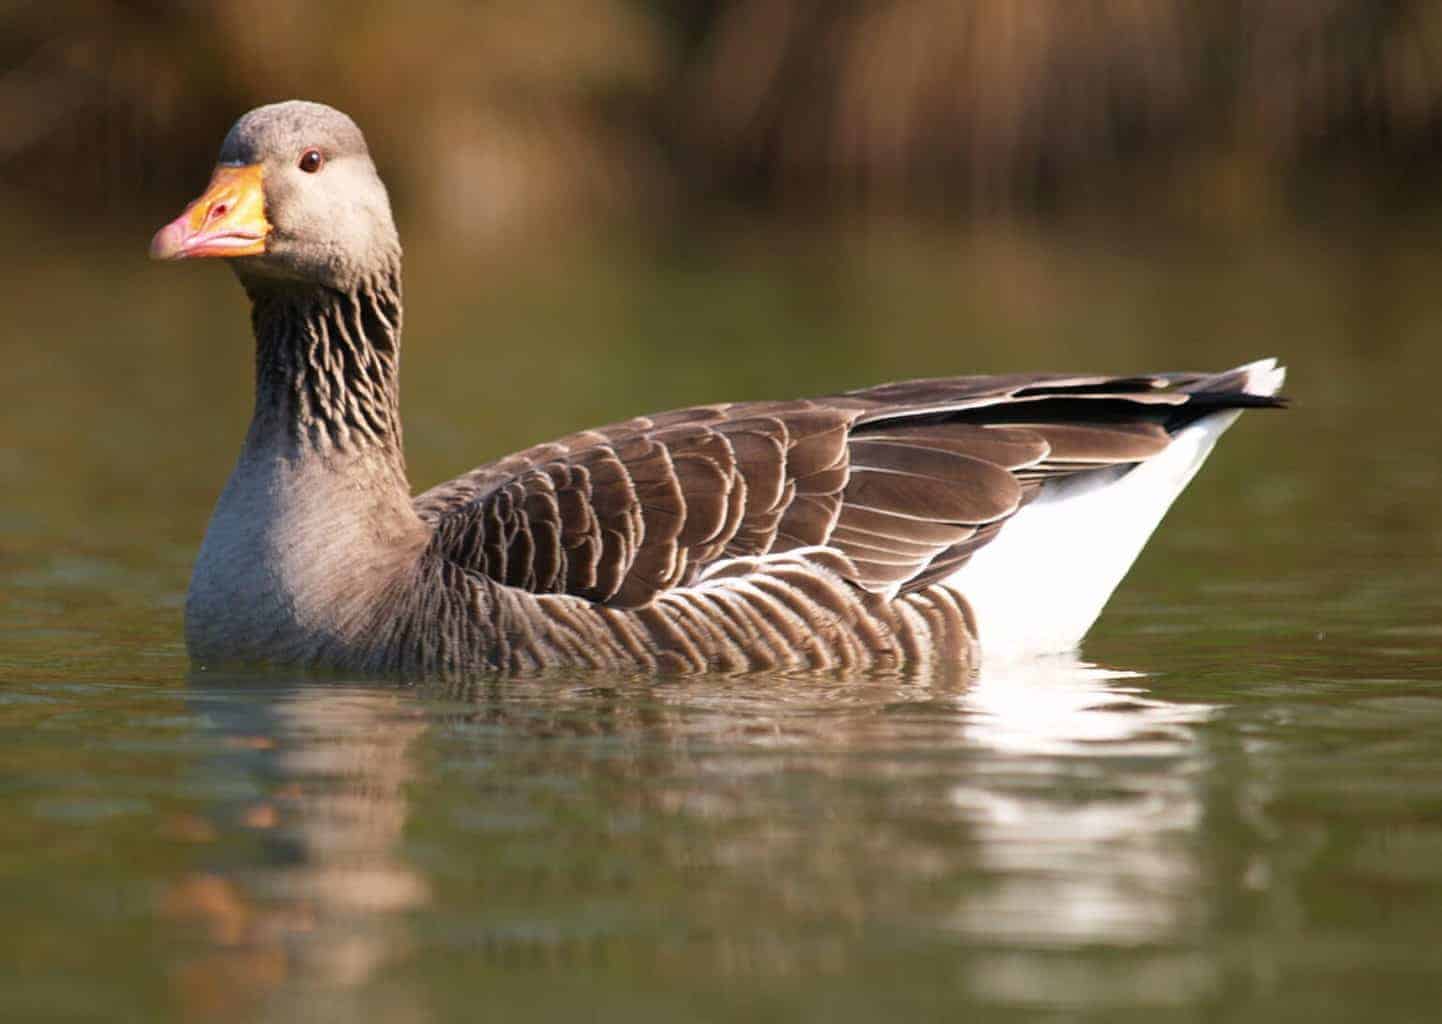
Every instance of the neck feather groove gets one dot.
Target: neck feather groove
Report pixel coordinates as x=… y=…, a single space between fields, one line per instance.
x=327 y=365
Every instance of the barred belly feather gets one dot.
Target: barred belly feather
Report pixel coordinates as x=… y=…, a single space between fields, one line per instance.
x=786 y=612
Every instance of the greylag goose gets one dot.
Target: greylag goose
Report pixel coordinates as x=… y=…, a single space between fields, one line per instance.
x=908 y=524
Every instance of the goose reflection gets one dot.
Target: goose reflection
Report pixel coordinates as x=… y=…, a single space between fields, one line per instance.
x=1063 y=705
x=312 y=910
x=781 y=822
x=1071 y=791
x=1087 y=841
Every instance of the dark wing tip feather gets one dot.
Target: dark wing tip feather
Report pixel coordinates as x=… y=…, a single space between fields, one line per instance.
x=1204 y=403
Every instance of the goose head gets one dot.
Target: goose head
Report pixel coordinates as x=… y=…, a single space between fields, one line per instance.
x=294 y=200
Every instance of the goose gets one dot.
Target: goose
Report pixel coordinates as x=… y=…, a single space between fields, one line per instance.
x=914 y=524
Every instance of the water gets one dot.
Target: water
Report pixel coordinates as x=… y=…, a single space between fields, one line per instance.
x=1229 y=806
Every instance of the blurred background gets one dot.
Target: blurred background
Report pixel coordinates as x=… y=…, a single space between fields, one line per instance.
x=619 y=205
x=611 y=207
x=490 y=118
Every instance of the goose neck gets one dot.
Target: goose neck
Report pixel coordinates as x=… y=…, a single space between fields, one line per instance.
x=327 y=368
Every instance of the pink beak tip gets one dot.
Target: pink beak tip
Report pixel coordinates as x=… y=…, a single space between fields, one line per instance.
x=169 y=241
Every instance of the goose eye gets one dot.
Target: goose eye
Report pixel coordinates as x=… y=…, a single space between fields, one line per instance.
x=310 y=161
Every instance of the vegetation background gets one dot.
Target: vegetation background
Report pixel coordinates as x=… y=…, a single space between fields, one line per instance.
x=490 y=118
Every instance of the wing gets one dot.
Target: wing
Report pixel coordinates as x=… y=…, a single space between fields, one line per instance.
x=906 y=480
x=617 y=514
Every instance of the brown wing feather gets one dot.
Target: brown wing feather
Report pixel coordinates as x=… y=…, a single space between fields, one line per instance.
x=901 y=481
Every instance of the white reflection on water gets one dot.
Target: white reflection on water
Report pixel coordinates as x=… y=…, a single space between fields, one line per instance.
x=1083 y=820
x=1063 y=705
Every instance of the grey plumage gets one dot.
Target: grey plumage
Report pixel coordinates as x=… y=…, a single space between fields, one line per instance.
x=804 y=534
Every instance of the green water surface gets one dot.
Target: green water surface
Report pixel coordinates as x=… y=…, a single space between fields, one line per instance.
x=1227 y=807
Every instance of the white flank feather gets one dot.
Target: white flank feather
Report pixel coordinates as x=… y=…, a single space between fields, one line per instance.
x=1041 y=583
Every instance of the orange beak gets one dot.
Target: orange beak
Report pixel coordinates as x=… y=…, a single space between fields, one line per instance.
x=228 y=220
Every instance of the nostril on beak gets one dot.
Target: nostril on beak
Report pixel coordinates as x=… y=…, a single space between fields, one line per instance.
x=218 y=210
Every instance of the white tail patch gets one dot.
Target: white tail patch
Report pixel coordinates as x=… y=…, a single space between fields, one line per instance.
x=1038 y=587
